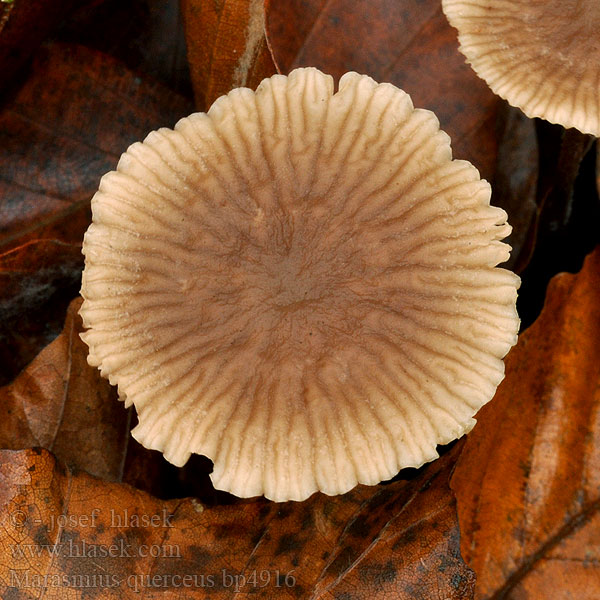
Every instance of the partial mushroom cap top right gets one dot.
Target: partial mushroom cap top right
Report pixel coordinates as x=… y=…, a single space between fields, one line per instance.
x=542 y=56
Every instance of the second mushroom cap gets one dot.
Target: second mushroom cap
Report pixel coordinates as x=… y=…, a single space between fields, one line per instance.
x=542 y=56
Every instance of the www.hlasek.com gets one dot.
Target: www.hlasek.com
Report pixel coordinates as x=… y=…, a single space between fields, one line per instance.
x=82 y=549
x=225 y=579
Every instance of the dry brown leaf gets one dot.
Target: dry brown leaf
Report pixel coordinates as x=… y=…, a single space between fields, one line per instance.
x=66 y=126
x=79 y=537
x=227 y=46
x=145 y=35
x=528 y=480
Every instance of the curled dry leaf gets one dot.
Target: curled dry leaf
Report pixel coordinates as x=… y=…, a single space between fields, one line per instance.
x=79 y=537
x=529 y=494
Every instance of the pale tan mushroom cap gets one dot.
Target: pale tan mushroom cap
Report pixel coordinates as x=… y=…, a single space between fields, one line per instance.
x=542 y=56
x=300 y=285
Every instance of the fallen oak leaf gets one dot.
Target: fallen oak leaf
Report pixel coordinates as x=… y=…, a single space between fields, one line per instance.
x=398 y=544
x=93 y=539
x=528 y=495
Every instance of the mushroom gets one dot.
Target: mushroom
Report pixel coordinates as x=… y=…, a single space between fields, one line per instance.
x=542 y=56
x=300 y=285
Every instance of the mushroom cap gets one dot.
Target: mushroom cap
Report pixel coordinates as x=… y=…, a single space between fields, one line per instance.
x=300 y=285
x=542 y=56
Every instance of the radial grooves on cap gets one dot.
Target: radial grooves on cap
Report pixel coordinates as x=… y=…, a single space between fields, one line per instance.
x=543 y=57
x=300 y=285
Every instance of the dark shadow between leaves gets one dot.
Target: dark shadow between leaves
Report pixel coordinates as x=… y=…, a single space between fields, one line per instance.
x=562 y=248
